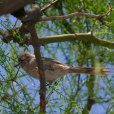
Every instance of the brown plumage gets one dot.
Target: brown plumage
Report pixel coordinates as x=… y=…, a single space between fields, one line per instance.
x=53 y=68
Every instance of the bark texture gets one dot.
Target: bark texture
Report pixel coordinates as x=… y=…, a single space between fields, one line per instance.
x=10 y=6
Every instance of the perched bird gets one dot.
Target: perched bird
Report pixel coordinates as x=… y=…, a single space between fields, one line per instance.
x=53 y=69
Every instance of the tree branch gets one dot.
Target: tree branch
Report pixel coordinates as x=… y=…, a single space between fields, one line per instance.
x=68 y=16
x=78 y=13
x=33 y=13
x=85 y=37
x=49 y=5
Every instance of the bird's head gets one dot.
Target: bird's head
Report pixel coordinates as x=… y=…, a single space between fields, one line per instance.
x=24 y=58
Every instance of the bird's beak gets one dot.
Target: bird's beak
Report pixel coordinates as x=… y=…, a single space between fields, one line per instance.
x=17 y=64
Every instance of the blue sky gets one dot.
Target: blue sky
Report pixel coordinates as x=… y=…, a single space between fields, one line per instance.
x=33 y=84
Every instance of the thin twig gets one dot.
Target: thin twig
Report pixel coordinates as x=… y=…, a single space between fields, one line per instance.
x=97 y=17
x=67 y=16
x=49 y=5
x=12 y=79
x=109 y=11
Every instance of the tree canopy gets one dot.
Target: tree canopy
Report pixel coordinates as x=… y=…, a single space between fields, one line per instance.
x=76 y=32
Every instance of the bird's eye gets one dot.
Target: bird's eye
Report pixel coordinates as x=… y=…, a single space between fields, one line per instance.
x=21 y=60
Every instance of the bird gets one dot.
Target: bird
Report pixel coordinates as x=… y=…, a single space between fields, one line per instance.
x=53 y=69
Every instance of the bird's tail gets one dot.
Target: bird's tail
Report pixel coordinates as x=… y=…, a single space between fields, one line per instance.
x=91 y=70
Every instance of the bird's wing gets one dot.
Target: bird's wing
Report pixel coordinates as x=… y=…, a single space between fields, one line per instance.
x=51 y=61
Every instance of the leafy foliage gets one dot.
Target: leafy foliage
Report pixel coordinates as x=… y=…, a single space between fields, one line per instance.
x=72 y=94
